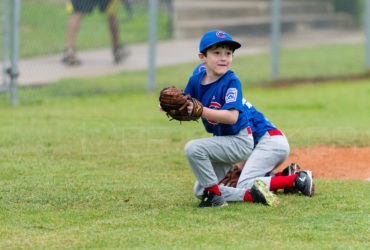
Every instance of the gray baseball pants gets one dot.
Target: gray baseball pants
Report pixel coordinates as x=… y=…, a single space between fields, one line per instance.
x=269 y=153
x=211 y=158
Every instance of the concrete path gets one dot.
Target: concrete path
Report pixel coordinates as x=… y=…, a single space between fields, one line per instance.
x=48 y=69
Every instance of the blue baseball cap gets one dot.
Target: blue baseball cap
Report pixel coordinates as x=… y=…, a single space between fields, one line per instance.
x=216 y=36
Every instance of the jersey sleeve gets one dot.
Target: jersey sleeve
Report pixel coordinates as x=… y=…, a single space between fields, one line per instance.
x=233 y=96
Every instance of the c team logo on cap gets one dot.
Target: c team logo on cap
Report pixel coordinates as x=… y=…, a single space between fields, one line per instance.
x=221 y=34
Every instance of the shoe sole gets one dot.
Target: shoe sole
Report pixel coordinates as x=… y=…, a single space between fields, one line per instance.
x=292 y=169
x=295 y=168
x=312 y=185
x=271 y=199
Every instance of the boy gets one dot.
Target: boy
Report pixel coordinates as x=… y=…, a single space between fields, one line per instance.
x=271 y=149
x=219 y=90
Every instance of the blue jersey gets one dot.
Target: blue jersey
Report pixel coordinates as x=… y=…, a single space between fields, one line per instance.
x=223 y=94
x=257 y=121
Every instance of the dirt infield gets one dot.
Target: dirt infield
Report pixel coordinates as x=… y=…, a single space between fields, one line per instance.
x=332 y=162
x=282 y=83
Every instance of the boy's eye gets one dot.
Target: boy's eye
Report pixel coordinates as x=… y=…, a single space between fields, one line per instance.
x=218 y=52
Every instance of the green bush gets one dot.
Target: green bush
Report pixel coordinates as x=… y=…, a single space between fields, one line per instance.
x=354 y=7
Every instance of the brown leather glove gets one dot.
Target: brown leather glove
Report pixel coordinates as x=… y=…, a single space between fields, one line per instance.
x=232 y=177
x=175 y=102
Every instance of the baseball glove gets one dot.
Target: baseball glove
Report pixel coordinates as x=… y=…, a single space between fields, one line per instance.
x=175 y=103
x=232 y=177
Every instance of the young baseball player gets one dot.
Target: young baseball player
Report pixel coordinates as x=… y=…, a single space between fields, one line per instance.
x=270 y=150
x=220 y=92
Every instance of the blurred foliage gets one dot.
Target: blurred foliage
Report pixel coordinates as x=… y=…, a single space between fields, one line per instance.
x=354 y=7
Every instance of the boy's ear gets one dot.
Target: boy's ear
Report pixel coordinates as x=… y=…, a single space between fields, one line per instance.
x=202 y=57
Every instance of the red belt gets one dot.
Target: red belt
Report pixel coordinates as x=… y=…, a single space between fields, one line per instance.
x=273 y=132
x=249 y=130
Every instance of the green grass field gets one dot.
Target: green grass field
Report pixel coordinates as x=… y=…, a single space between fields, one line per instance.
x=92 y=163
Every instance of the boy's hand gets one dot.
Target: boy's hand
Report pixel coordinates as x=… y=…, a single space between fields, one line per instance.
x=190 y=108
x=195 y=107
x=160 y=107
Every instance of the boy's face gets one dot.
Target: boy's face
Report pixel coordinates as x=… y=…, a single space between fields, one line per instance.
x=218 y=60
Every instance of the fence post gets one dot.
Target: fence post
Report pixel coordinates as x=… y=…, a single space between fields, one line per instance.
x=152 y=38
x=14 y=57
x=367 y=33
x=170 y=10
x=275 y=37
x=5 y=17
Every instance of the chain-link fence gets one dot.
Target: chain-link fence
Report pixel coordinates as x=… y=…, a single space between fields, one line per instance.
x=319 y=38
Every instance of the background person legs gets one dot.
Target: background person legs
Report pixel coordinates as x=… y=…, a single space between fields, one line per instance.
x=109 y=7
x=69 y=57
x=119 y=51
x=82 y=7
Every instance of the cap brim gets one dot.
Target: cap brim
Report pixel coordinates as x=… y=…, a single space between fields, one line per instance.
x=234 y=44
